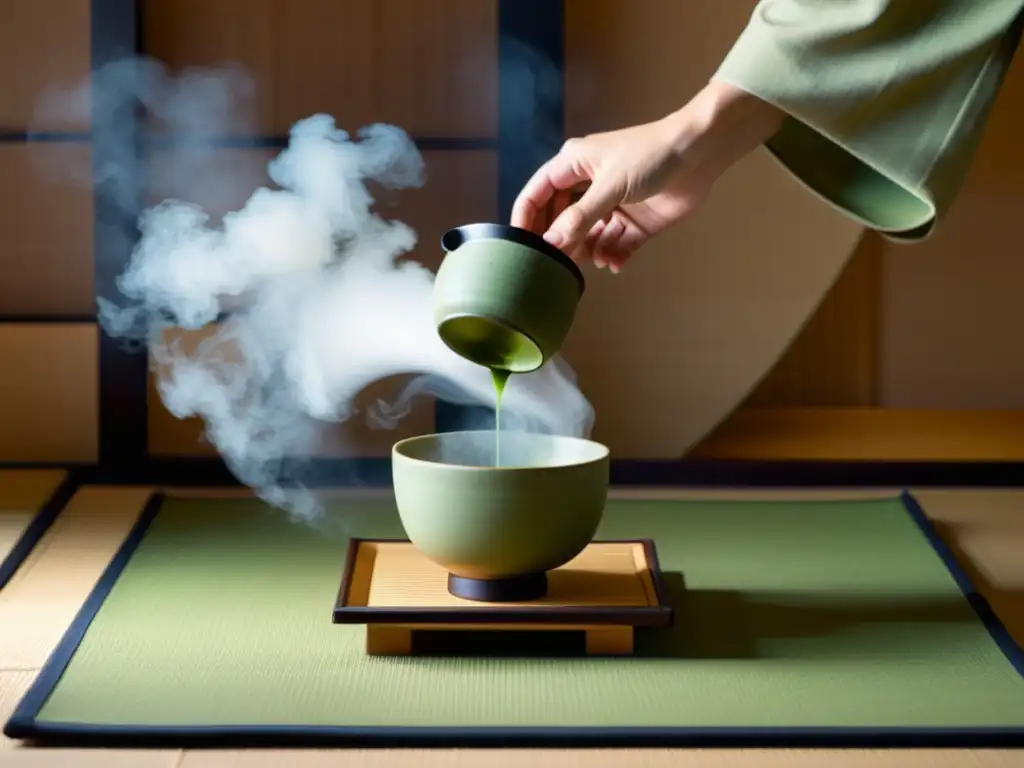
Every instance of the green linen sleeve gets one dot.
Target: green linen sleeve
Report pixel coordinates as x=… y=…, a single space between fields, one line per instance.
x=886 y=99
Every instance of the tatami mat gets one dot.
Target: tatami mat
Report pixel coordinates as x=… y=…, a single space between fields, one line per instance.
x=44 y=596
x=839 y=613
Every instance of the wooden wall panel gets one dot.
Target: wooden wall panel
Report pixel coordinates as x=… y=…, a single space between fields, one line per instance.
x=866 y=434
x=428 y=67
x=49 y=392
x=833 y=362
x=461 y=187
x=217 y=180
x=46 y=264
x=42 y=45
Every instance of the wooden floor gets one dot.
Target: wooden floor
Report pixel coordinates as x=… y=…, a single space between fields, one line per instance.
x=866 y=434
x=986 y=527
x=22 y=493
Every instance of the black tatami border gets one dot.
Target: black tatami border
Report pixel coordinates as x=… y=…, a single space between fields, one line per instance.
x=41 y=522
x=1000 y=634
x=625 y=473
x=24 y=725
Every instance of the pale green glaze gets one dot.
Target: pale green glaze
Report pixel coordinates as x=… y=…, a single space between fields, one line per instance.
x=535 y=513
x=503 y=304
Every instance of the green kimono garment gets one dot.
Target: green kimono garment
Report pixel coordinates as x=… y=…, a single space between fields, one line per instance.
x=887 y=99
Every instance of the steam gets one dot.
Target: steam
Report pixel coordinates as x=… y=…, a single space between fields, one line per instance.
x=306 y=288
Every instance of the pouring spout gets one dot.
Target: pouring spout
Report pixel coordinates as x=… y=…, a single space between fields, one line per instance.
x=453 y=239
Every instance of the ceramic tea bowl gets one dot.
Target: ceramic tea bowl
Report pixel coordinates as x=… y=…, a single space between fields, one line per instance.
x=498 y=530
x=504 y=297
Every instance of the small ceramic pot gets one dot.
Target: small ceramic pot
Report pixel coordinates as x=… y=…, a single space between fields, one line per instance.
x=498 y=530
x=504 y=297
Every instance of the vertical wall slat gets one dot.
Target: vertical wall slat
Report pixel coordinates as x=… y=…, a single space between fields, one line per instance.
x=122 y=372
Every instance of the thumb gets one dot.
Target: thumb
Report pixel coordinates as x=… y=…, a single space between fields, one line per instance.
x=570 y=229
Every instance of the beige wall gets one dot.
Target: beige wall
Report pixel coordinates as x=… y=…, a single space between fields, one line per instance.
x=686 y=334
x=669 y=347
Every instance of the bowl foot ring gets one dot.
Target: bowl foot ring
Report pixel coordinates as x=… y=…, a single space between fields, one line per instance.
x=512 y=590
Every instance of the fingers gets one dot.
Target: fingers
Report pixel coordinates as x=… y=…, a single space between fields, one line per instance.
x=561 y=201
x=608 y=241
x=612 y=243
x=544 y=206
x=559 y=174
x=570 y=229
x=586 y=251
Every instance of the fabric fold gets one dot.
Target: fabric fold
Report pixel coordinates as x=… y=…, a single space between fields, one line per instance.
x=887 y=100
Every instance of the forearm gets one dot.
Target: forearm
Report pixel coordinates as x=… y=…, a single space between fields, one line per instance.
x=721 y=125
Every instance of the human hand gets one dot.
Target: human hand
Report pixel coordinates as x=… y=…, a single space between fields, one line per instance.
x=638 y=187
x=641 y=180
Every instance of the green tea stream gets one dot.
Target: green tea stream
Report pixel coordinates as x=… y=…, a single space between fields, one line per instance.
x=500 y=378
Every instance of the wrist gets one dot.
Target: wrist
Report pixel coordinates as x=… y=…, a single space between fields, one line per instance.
x=720 y=125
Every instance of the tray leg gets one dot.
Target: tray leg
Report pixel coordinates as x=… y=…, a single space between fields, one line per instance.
x=610 y=641
x=382 y=640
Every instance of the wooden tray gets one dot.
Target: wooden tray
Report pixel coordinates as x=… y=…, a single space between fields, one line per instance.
x=608 y=590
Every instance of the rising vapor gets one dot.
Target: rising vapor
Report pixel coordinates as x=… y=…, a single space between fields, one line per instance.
x=314 y=300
